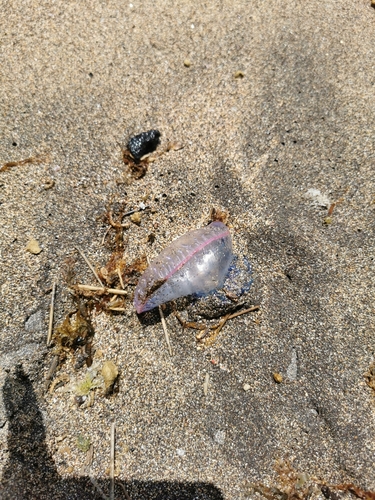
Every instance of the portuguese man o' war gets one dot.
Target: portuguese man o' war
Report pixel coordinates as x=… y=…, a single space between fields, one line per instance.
x=196 y=263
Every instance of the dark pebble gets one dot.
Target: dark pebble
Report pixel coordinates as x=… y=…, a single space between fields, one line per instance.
x=143 y=143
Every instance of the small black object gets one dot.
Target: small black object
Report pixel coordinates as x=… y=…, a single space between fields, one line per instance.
x=143 y=143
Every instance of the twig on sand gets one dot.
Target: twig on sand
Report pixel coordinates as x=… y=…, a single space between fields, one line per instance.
x=164 y=324
x=205 y=329
x=51 y=371
x=34 y=159
x=112 y=464
x=120 y=278
x=217 y=329
x=125 y=492
x=245 y=311
x=51 y=309
x=205 y=384
x=102 y=289
x=96 y=484
x=105 y=234
x=90 y=266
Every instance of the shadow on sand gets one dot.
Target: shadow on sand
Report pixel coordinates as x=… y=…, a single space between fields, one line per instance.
x=31 y=473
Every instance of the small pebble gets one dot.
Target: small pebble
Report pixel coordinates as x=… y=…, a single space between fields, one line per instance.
x=219 y=437
x=187 y=63
x=136 y=217
x=278 y=378
x=246 y=387
x=180 y=452
x=239 y=74
x=143 y=143
x=109 y=373
x=48 y=183
x=33 y=247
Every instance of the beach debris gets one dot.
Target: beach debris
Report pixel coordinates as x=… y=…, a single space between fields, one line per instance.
x=294 y=485
x=143 y=143
x=51 y=311
x=370 y=376
x=75 y=333
x=206 y=384
x=33 y=247
x=136 y=218
x=90 y=265
x=59 y=382
x=84 y=391
x=83 y=443
x=208 y=333
x=197 y=262
x=218 y=215
x=318 y=198
x=32 y=160
x=48 y=183
x=112 y=463
x=109 y=374
x=164 y=325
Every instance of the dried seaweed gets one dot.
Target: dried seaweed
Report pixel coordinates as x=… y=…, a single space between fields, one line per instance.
x=294 y=485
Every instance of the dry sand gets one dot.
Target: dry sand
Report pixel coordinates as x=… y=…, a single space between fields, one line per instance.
x=77 y=80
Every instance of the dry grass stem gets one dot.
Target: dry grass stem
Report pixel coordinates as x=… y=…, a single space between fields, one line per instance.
x=164 y=324
x=34 y=159
x=120 y=278
x=96 y=484
x=51 y=371
x=125 y=492
x=112 y=464
x=51 y=309
x=131 y=212
x=105 y=235
x=205 y=385
x=90 y=266
x=245 y=311
x=102 y=289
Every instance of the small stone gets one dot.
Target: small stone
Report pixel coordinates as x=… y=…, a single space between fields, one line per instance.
x=48 y=183
x=35 y=322
x=219 y=437
x=187 y=63
x=239 y=74
x=278 y=378
x=33 y=247
x=110 y=374
x=180 y=452
x=246 y=387
x=136 y=217
x=143 y=143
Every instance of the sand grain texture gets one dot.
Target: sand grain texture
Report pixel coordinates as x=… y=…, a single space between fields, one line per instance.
x=80 y=78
